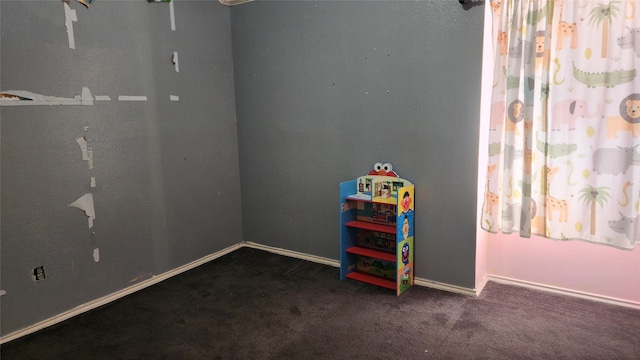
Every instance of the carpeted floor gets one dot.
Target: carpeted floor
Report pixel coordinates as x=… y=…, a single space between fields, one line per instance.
x=252 y=304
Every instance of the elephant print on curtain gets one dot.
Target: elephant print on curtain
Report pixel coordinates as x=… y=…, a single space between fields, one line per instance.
x=564 y=154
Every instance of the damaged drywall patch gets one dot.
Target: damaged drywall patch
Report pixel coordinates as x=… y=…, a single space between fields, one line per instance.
x=87 y=152
x=90 y=157
x=38 y=274
x=82 y=142
x=86 y=3
x=94 y=244
x=85 y=203
x=234 y=2
x=26 y=98
x=175 y=61
x=69 y=17
x=131 y=98
x=85 y=97
x=172 y=16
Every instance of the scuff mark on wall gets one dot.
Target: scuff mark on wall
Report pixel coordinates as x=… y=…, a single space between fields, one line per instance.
x=3 y=292
x=142 y=276
x=85 y=203
x=174 y=98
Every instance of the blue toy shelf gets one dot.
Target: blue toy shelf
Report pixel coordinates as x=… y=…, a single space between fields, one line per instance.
x=376 y=229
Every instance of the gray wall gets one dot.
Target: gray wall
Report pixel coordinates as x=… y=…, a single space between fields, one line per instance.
x=324 y=89
x=168 y=189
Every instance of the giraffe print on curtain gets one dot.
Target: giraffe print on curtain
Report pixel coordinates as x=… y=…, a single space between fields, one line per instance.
x=564 y=134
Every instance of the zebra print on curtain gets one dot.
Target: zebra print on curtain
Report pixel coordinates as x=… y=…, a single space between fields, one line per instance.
x=564 y=161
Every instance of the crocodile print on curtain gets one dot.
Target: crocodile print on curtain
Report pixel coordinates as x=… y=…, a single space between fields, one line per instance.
x=564 y=161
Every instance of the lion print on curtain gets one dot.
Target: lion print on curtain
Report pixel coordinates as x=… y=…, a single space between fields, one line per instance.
x=564 y=160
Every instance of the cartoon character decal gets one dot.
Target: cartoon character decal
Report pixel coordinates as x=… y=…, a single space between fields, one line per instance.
x=405 y=279
x=381 y=169
x=405 y=253
x=405 y=218
x=406 y=202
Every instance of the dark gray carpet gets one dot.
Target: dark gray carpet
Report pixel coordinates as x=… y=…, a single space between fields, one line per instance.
x=252 y=304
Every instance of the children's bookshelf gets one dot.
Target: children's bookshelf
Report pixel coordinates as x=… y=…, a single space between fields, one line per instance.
x=376 y=229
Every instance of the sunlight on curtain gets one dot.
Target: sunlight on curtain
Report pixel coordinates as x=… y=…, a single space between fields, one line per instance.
x=564 y=161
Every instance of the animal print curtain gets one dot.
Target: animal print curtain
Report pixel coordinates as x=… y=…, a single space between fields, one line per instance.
x=564 y=161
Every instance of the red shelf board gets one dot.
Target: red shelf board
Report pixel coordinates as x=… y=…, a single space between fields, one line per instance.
x=389 y=284
x=372 y=253
x=371 y=226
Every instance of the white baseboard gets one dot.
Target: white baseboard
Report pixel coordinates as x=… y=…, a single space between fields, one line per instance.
x=446 y=287
x=293 y=254
x=454 y=288
x=564 y=291
x=336 y=263
x=317 y=259
x=116 y=295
